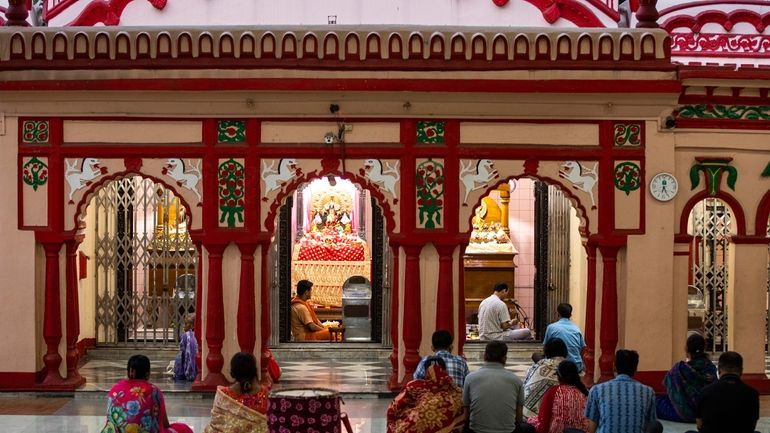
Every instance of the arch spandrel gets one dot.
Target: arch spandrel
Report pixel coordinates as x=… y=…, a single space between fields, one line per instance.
x=160 y=170
x=550 y=172
x=305 y=170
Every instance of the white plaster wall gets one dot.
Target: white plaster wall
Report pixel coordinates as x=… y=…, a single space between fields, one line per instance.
x=429 y=269
x=86 y=283
x=231 y=277
x=347 y=12
x=17 y=266
x=577 y=274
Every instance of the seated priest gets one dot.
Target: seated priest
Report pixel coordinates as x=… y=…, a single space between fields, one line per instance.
x=305 y=325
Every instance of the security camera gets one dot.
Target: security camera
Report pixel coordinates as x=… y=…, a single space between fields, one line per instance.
x=329 y=138
x=334 y=108
x=670 y=122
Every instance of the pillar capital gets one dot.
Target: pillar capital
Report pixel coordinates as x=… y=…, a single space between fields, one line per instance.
x=247 y=248
x=215 y=248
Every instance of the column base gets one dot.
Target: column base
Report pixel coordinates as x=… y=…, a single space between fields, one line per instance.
x=758 y=381
x=393 y=382
x=652 y=379
x=56 y=383
x=211 y=382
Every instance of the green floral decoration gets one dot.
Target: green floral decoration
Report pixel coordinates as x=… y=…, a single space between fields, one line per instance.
x=628 y=177
x=430 y=189
x=231 y=193
x=430 y=132
x=231 y=131
x=725 y=112
x=713 y=169
x=34 y=173
x=628 y=134
x=35 y=131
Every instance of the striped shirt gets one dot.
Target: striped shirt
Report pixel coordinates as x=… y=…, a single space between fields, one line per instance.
x=621 y=405
x=456 y=367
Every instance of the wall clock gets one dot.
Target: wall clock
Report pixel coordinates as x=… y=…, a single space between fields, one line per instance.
x=664 y=186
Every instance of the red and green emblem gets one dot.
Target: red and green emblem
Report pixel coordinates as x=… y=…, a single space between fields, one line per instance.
x=231 y=131
x=430 y=190
x=35 y=173
x=231 y=192
x=628 y=134
x=430 y=132
x=628 y=177
x=35 y=131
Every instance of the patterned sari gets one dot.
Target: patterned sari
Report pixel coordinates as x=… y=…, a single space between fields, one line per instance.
x=238 y=413
x=184 y=363
x=540 y=377
x=432 y=405
x=684 y=384
x=137 y=406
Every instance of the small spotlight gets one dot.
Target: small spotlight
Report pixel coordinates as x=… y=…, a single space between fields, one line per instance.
x=332 y=179
x=670 y=122
x=334 y=108
x=331 y=19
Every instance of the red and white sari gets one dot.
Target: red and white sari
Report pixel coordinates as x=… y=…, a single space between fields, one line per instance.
x=432 y=405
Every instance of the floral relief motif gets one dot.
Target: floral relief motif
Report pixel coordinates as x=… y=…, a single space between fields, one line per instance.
x=231 y=192
x=628 y=177
x=430 y=132
x=628 y=134
x=430 y=190
x=231 y=131
x=692 y=43
x=35 y=173
x=728 y=112
x=35 y=131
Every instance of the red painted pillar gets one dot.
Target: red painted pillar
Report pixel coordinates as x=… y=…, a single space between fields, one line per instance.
x=460 y=337
x=445 y=295
x=198 y=312
x=590 y=337
x=412 y=310
x=608 y=333
x=17 y=13
x=73 y=312
x=247 y=324
x=215 y=318
x=264 y=302
x=52 y=331
x=393 y=382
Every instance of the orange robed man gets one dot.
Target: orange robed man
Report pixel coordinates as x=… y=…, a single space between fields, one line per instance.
x=305 y=325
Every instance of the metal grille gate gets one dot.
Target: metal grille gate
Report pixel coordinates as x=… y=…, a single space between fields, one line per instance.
x=552 y=252
x=711 y=238
x=145 y=263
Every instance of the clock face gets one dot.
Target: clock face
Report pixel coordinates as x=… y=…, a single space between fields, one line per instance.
x=664 y=186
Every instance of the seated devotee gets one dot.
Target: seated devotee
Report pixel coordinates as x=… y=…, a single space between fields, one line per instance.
x=456 y=366
x=305 y=325
x=563 y=404
x=685 y=382
x=241 y=407
x=728 y=405
x=136 y=405
x=184 y=363
x=542 y=375
x=495 y=321
x=430 y=405
x=565 y=329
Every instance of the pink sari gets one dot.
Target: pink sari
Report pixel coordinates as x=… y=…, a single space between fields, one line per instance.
x=137 y=406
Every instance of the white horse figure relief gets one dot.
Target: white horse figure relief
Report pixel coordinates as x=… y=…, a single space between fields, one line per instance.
x=184 y=177
x=387 y=177
x=478 y=177
x=287 y=168
x=78 y=178
x=582 y=178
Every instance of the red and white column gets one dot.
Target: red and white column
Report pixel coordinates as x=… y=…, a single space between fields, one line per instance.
x=412 y=310
x=215 y=318
x=589 y=358
x=264 y=301
x=393 y=382
x=52 y=331
x=608 y=333
x=73 y=312
x=199 y=312
x=445 y=295
x=247 y=323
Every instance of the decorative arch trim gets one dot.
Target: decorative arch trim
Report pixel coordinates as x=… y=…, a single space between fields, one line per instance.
x=107 y=12
x=82 y=204
x=735 y=207
x=289 y=188
x=570 y=10
x=763 y=216
x=725 y=19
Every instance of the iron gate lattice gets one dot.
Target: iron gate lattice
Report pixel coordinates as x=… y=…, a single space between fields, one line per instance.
x=710 y=245
x=145 y=263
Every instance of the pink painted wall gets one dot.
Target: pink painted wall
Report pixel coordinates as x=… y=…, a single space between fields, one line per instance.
x=521 y=222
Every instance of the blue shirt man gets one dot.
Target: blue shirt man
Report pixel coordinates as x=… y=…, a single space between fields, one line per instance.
x=456 y=366
x=569 y=333
x=622 y=405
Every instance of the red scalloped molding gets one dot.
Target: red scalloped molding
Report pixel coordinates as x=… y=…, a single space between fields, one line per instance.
x=107 y=12
x=726 y=20
x=720 y=45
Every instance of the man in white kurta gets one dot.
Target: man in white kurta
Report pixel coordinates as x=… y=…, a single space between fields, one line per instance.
x=495 y=321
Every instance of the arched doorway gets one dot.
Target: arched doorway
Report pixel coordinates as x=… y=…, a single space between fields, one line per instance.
x=143 y=263
x=710 y=225
x=527 y=233
x=332 y=231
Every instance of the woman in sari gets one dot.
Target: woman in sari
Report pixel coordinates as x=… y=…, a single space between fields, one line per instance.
x=563 y=405
x=542 y=375
x=241 y=407
x=430 y=405
x=184 y=363
x=685 y=382
x=134 y=405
